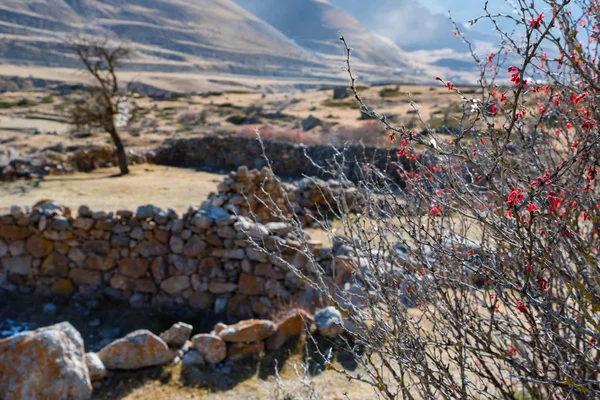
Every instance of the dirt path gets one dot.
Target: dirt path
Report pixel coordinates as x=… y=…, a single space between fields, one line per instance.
x=165 y=187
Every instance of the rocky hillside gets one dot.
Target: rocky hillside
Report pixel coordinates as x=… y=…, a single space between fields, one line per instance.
x=169 y=35
x=297 y=38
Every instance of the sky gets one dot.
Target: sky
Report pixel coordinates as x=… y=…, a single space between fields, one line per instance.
x=462 y=10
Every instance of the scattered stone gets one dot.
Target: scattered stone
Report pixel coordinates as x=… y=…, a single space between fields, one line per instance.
x=95 y=367
x=193 y=357
x=46 y=363
x=211 y=347
x=329 y=322
x=239 y=351
x=177 y=335
x=253 y=330
x=139 y=349
x=290 y=326
x=310 y=123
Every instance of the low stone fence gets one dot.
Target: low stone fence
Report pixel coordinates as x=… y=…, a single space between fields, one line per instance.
x=264 y=198
x=287 y=159
x=202 y=259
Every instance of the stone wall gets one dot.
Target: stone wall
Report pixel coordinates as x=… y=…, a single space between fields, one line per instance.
x=287 y=159
x=264 y=198
x=201 y=259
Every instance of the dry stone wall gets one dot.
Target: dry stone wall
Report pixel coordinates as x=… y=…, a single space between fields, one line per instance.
x=286 y=159
x=264 y=198
x=202 y=259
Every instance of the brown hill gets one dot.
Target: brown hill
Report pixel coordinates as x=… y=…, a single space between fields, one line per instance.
x=169 y=35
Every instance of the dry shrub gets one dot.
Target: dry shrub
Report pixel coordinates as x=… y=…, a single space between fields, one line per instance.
x=269 y=132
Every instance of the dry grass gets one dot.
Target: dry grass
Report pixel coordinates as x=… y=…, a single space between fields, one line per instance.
x=165 y=187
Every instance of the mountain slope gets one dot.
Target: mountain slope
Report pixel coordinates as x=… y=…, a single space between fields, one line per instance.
x=316 y=25
x=173 y=35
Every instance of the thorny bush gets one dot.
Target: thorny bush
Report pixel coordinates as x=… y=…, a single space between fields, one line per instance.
x=478 y=276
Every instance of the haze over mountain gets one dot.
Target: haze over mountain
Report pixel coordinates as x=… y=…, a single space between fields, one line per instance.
x=408 y=23
x=316 y=25
x=392 y=39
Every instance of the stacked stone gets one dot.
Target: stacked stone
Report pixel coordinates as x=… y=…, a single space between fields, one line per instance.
x=253 y=193
x=317 y=198
x=262 y=197
x=203 y=259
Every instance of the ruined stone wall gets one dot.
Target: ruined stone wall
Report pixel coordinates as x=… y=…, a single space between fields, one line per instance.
x=287 y=159
x=201 y=259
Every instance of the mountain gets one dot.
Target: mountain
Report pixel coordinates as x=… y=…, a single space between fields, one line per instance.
x=291 y=39
x=171 y=35
x=315 y=25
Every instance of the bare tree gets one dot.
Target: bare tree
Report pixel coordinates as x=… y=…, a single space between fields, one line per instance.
x=477 y=276
x=100 y=107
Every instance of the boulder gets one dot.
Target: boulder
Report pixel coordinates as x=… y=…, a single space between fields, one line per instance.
x=252 y=330
x=239 y=351
x=341 y=92
x=329 y=322
x=193 y=357
x=95 y=367
x=211 y=347
x=310 y=123
x=139 y=349
x=48 y=363
x=290 y=326
x=177 y=335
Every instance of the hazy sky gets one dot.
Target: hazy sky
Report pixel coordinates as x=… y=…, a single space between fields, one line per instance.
x=463 y=10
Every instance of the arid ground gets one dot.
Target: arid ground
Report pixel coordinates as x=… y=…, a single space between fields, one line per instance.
x=34 y=122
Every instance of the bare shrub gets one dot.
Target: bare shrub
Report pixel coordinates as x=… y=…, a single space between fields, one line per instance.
x=369 y=133
x=477 y=275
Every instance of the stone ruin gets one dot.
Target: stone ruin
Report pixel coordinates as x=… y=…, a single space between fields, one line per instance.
x=53 y=360
x=60 y=159
x=262 y=197
x=202 y=259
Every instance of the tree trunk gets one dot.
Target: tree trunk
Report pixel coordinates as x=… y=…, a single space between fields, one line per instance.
x=120 y=151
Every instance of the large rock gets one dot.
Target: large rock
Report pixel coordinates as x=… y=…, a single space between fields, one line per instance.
x=252 y=330
x=95 y=367
x=48 y=363
x=177 y=335
x=137 y=350
x=290 y=326
x=211 y=347
x=239 y=351
x=193 y=357
x=329 y=322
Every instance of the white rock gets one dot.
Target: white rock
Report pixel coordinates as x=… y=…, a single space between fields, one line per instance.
x=329 y=322
x=48 y=363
